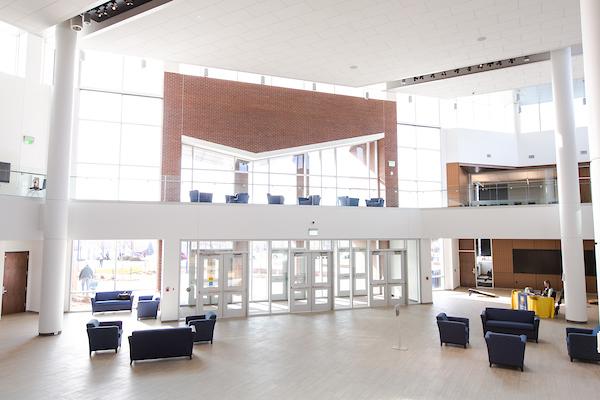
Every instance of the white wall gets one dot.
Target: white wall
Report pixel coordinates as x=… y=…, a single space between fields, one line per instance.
x=25 y=110
x=34 y=247
x=541 y=146
x=469 y=146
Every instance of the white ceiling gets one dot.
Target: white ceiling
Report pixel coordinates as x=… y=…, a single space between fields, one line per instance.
x=318 y=40
x=37 y=15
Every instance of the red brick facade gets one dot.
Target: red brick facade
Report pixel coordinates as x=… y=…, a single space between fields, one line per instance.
x=261 y=118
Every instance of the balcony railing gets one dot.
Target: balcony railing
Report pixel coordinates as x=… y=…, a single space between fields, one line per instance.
x=291 y=186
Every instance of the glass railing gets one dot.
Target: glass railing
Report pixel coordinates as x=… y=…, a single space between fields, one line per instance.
x=291 y=187
x=24 y=184
x=513 y=193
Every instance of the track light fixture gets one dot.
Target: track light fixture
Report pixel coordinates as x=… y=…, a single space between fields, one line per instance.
x=129 y=3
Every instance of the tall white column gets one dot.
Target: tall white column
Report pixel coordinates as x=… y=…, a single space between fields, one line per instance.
x=57 y=192
x=590 y=32
x=169 y=298
x=568 y=187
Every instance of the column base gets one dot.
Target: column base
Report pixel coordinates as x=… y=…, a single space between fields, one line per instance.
x=50 y=334
x=576 y=322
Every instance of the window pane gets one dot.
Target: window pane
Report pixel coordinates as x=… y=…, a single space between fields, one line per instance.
x=407 y=163
x=143 y=76
x=98 y=142
x=99 y=106
x=142 y=110
x=352 y=161
x=427 y=111
x=407 y=136
x=101 y=71
x=428 y=165
x=141 y=145
x=428 y=138
x=139 y=183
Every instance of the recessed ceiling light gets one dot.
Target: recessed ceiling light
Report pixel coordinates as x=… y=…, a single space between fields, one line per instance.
x=481 y=38
x=354 y=67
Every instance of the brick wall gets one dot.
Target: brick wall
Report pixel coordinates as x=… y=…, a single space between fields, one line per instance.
x=261 y=118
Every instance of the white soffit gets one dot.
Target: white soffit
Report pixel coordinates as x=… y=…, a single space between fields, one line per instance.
x=318 y=40
x=251 y=156
x=38 y=15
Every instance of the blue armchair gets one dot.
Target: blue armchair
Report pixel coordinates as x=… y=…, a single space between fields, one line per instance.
x=275 y=199
x=147 y=307
x=313 y=200
x=582 y=344
x=240 y=198
x=104 y=335
x=203 y=325
x=375 y=202
x=454 y=330
x=348 y=201
x=506 y=349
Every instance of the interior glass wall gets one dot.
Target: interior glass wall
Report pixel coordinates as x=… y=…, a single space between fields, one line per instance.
x=329 y=173
x=109 y=265
x=437 y=264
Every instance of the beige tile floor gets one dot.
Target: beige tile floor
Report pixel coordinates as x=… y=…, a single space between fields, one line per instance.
x=333 y=355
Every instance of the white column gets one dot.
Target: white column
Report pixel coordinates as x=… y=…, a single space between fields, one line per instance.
x=169 y=299
x=590 y=32
x=425 y=268
x=57 y=192
x=568 y=187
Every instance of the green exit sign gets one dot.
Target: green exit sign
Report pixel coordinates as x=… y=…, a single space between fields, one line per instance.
x=28 y=139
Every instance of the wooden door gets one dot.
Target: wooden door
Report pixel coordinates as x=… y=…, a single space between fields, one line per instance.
x=467 y=266
x=14 y=293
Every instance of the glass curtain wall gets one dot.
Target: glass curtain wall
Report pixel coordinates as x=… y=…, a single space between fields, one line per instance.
x=13 y=47
x=329 y=173
x=419 y=152
x=109 y=265
x=117 y=146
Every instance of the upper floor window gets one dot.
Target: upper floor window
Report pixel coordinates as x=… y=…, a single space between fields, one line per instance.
x=13 y=44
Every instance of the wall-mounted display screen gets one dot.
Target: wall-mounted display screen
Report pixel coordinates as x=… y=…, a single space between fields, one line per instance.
x=548 y=262
x=4 y=172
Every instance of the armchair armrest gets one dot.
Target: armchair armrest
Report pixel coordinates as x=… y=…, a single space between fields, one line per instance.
x=579 y=330
x=459 y=319
x=118 y=324
x=536 y=323
x=582 y=343
x=483 y=318
x=194 y=318
x=144 y=298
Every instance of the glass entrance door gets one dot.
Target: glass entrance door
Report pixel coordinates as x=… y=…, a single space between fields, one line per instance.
x=234 y=293
x=279 y=281
x=311 y=288
x=222 y=284
x=343 y=276
x=300 y=283
x=209 y=293
x=388 y=277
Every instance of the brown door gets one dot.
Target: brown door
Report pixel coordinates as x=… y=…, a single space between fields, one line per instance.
x=467 y=267
x=14 y=291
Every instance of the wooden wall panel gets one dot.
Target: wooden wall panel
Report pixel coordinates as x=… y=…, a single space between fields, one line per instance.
x=504 y=280
x=590 y=284
x=467 y=264
x=502 y=256
x=523 y=280
x=555 y=281
x=546 y=244
x=466 y=244
x=588 y=245
x=523 y=244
